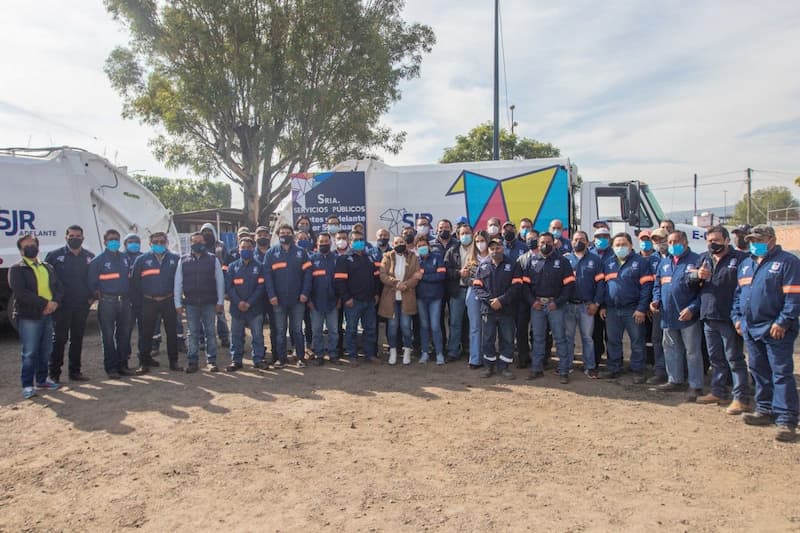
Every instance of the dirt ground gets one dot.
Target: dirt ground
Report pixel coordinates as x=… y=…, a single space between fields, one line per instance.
x=379 y=448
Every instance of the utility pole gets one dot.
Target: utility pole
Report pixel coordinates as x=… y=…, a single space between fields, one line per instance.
x=695 y=194
x=496 y=140
x=749 y=193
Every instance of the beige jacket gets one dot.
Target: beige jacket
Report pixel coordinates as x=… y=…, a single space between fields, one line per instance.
x=412 y=277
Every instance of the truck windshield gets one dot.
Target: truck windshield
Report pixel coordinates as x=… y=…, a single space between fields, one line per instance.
x=651 y=199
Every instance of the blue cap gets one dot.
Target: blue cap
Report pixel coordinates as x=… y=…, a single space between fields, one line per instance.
x=462 y=220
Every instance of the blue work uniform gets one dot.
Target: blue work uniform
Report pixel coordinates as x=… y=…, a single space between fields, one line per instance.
x=357 y=278
x=244 y=282
x=288 y=277
x=504 y=282
x=109 y=280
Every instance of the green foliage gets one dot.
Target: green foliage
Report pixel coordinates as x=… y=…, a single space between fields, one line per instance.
x=181 y=195
x=259 y=89
x=764 y=200
x=477 y=146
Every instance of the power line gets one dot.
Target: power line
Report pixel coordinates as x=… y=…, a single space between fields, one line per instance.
x=665 y=187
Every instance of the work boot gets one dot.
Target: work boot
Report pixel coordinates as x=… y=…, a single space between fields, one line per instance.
x=192 y=368
x=506 y=373
x=233 y=367
x=392 y=356
x=638 y=378
x=488 y=371
x=563 y=379
x=758 y=419
x=671 y=387
x=143 y=369
x=608 y=374
x=738 y=407
x=711 y=398
x=175 y=367
x=534 y=374
x=786 y=433
x=125 y=371
x=692 y=395
x=406 y=356
x=152 y=363
x=657 y=379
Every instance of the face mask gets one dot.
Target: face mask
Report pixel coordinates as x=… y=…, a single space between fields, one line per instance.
x=304 y=243
x=158 y=248
x=302 y=227
x=481 y=246
x=716 y=248
x=466 y=240
x=359 y=245
x=497 y=256
x=646 y=246
x=556 y=232
x=74 y=243
x=133 y=247
x=601 y=243
x=493 y=230
x=445 y=234
x=262 y=241
x=333 y=228
x=30 y=251
x=247 y=255
x=324 y=248
x=341 y=244
x=533 y=244
x=383 y=243
x=741 y=243
x=524 y=232
x=409 y=239
x=509 y=236
x=400 y=249
x=758 y=249
x=579 y=246
x=621 y=251
x=547 y=249
x=422 y=230
x=675 y=249
x=198 y=247
x=112 y=246
x=422 y=251
x=286 y=239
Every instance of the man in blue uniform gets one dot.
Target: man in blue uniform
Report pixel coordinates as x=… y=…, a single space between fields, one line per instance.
x=152 y=287
x=323 y=303
x=601 y=246
x=108 y=281
x=561 y=241
x=245 y=282
x=765 y=311
x=651 y=249
x=512 y=247
x=71 y=267
x=132 y=246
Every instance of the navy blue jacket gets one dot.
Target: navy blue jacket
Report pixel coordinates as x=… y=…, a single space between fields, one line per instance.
x=245 y=283
x=356 y=276
x=675 y=291
x=434 y=273
x=151 y=277
x=512 y=250
x=566 y=245
x=716 y=294
x=437 y=246
x=72 y=272
x=323 y=295
x=288 y=274
x=548 y=277
x=589 y=278
x=109 y=273
x=628 y=284
x=502 y=281
x=768 y=292
x=653 y=260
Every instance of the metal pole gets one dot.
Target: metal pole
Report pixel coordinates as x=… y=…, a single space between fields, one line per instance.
x=749 y=193
x=496 y=140
x=695 y=195
x=725 y=201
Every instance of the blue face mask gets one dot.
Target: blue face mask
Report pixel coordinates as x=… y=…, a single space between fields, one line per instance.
x=112 y=246
x=358 y=246
x=676 y=249
x=601 y=243
x=247 y=255
x=466 y=240
x=524 y=232
x=758 y=249
x=422 y=251
x=133 y=247
x=622 y=251
x=333 y=228
x=304 y=243
x=158 y=248
x=646 y=246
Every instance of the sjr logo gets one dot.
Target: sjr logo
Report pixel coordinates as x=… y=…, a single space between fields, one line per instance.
x=13 y=221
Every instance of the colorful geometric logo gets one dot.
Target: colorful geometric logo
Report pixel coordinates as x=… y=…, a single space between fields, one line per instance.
x=540 y=195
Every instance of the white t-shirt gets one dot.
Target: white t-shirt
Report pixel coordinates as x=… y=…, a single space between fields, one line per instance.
x=399 y=272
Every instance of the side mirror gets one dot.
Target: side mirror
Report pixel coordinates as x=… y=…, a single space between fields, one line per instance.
x=633 y=203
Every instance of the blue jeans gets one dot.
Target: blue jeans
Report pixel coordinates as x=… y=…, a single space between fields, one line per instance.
x=200 y=318
x=618 y=321
x=539 y=322
x=657 y=338
x=725 y=351
x=492 y=323
x=114 y=317
x=682 y=348
x=430 y=316
x=400 y=321
x=577 y=317
x=458 y=305
x=293 y=313
x=474 y=316
x=772 y=367
x=330 y=321
x=365 y=312
x=36 y=343
x=256 y=325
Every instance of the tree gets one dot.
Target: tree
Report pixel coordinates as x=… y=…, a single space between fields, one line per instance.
x=259 y=89
x=181 y=195
x=765 y=200
x=478 y=143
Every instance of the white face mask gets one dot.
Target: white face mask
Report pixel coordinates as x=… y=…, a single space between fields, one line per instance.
x=481 y=246
x=341 y=244
x=422 y=230
x=493 y=230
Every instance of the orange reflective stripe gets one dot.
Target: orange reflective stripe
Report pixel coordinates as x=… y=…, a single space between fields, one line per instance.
x=238 y=281
x=377 y=264
x=341 y=275
x=278 y=266
x=791 y=289
x=150 y=272
x=568 y=280
x=106 y=277
x=599 y=277
x=515 y=281
x=646 y=279
x=526 y=279
x=745 y=281
x=306 y=265
x=441 y=269
x=260 y=280
x=611 y=275
x=666 y=279
x=318 y=273
x=477 y=283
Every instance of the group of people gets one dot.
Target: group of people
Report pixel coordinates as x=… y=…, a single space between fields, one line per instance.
x=493 y=295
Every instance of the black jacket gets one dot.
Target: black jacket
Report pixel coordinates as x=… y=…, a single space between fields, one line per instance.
x=28 y=305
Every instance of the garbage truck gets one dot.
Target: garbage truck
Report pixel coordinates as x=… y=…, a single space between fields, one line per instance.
x=380 y=195
x=45 y=190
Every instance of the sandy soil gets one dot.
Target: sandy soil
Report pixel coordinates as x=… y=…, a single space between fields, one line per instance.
x=380 y=448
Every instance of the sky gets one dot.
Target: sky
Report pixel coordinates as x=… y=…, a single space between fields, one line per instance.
x=656 y=91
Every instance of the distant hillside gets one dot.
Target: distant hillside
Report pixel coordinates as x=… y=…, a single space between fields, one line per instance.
x=685 y=217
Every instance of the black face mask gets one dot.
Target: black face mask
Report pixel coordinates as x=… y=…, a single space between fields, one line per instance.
x=198 y=247
x=445 y=234
x=533 y=244
x=409 y=239
x=286 y=239
x=580 y=246
x=509 y=236
x=30 y=251
x=497 y=256
x=324 y=248
x=400 y=248
x=546 y=249
x=716 y=248
x=383 y=243
x=741 y=243
x=74 y=243
x=262 y=241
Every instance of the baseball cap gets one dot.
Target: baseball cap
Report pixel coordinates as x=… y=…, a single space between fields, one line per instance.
x=461 y=221
x=496 y=241
x=762 y=231
x=742 y=228
x=599 y=232
x=599 y=223
x=259 y=229
x=660 y=233
x=508 y=223
x=645 y=233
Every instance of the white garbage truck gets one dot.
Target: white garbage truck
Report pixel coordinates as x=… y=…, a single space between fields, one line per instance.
x=45 y=190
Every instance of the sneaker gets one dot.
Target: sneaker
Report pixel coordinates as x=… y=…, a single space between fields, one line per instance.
x=153 y=363
x=638 y=378
x=671 y=387
x=28 y=393
x=534 y=374
x=277 y=365
x=711 y=398
x=758 y=419
x=261 y=365
x=508 y=374
x=212 y=367
x=192 y=368
x=786 y=433
x=47 y=385
x=124 y=371
x=658 y=379
x=301 y=363
x=440 y=359
x=142 y=370
x=175 y=367
x=608 y=374
x=233 y=367
x=113 y=375
x=738 y=407
x=692 y=395
x=424 y=358
x=563 y=379
x=591 y=374
x=76 y=377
